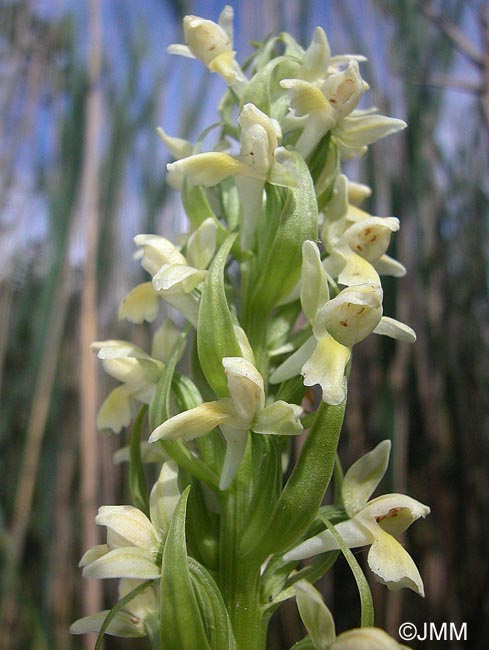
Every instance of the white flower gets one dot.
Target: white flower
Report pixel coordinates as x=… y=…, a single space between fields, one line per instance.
x=326 y=106
x=235 y=415
x=134 y=542
x=175 y=276
x=137 y=371
x=337 y=324
x=129 y=622
x=212 y=44
x=320 y=626
x=373 y=523
x=259 y=161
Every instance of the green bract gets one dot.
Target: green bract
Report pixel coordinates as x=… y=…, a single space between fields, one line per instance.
x=275 y=282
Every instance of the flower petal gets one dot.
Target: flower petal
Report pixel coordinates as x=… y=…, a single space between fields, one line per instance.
x=364 y=476
x=177 y=278
x=344 y=89
x=126 y=562
x=157 y=251
x=164 y=340
x=235 y=449
x=366 y=638
x=279 y=418
x=164 y=498
x=145 y=603
x=178 y=147
x=395 y=512
x=117 y=349
x=201 y=244
x=371 y=237
x=386 y=265
x=352 y=315
x=316 y=58
x=127 y=526
x=193 y=423
x=115 y=412
x=187 y=304
x=314 y=281
x=353 y=532
x=293 y=364
x=326 y=367
x=205 y=38
x=395 y=329
x=392 y=565
x=207 y=169
x=357 y=132
x=180 y=50
x=316 y=617
x=93 y=554
x=123 y=624
x=140 y=304
x=245 y=388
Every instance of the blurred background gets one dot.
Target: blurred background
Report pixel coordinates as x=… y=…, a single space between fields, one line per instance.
x=83 y=86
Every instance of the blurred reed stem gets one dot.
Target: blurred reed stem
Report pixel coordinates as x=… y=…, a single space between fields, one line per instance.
x=89 y=218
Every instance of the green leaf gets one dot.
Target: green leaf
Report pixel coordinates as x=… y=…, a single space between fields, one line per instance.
x=215 y=333
x=267 y=481
x=303 y=493
x=202 y=527
x=137 y=484
x=197 y=206
x=211 y=447
x=159 y=411
x=212 y=607
x=292 y=217
x=116 y=609
x=265 y=82
x=366 y=602
x=230 y=205
x=181 y=621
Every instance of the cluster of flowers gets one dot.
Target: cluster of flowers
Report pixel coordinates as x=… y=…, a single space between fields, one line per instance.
x=273 y=193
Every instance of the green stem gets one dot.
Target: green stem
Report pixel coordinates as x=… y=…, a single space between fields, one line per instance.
x=240 y=580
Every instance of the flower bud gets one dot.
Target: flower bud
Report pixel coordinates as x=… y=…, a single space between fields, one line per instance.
x=205 y=39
